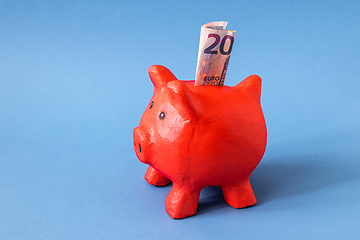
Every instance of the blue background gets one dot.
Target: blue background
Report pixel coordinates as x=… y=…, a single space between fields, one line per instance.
x=74 y=83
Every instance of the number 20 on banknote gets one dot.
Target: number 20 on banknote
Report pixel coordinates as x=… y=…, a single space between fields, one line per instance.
x=210 y=49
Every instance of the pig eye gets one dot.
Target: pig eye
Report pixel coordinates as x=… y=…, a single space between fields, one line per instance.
x=151 y=105
x=162 y=115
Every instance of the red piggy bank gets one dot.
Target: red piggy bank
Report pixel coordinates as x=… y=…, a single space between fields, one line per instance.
x=198 y=136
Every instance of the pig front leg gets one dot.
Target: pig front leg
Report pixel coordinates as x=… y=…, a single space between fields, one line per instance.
x=240 y=195
x=153 y=177
x=182 y=202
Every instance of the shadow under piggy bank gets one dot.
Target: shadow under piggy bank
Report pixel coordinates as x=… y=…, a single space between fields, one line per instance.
x=286 y=177
x=299 y=175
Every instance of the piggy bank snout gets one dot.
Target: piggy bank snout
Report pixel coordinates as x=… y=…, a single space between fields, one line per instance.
x=139 y=137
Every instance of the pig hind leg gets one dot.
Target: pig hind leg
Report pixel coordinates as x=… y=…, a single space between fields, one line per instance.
x=153 y=177
x=182 y=202
x=240 y=195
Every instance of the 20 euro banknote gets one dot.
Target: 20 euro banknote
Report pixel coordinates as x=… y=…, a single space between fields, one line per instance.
x=215 y=47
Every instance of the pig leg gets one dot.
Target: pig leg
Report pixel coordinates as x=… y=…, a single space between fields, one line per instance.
x=182 y=202
x=240 y=195
x=155 y=178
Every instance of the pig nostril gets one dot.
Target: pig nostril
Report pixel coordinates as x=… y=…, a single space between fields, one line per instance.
x=139 y=148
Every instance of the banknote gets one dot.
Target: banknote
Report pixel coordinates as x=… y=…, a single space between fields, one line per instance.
x=215 y=47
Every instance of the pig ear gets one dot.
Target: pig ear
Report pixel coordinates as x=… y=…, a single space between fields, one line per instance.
x=160 y=75
x=178 y=87
x=251 y=86
x=183 y=97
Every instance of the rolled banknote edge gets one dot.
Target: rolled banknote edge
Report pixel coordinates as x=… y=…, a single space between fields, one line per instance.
x=220 y=25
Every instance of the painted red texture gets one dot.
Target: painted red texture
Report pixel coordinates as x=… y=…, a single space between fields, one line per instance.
x=198 y=136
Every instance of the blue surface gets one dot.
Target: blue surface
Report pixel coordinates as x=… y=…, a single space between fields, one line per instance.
x=74 y=83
